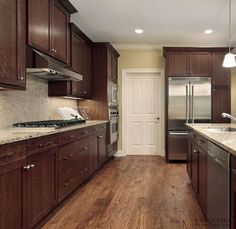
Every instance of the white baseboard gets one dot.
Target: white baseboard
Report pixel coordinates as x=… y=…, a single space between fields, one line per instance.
x=119 y=153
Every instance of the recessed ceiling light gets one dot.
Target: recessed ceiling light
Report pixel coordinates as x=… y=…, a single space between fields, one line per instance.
x=208 y=31
x=138 y=31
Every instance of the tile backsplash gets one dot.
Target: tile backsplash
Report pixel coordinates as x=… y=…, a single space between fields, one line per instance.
x=30 y=105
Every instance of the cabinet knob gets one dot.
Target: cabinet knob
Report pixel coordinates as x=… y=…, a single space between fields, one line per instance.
x=85 y=92
x=55 y=50
x=32 y=166
x=27 y=167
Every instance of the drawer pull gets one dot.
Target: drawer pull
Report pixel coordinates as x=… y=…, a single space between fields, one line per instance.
x=84 y=149
x=71 y=155
x=81 y=171
x=66 y=184
x=195 y=151
x=27 y=167
x=45 y=144
x=32 y=166
x=84 y=132
x=65 y=158
x=86 y=169
x=201 y=142
x=72 y=180
x=69 y=137
x=100 y=136
x=7 y=155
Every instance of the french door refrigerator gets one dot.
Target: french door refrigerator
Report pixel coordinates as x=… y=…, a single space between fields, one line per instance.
x=189 y=101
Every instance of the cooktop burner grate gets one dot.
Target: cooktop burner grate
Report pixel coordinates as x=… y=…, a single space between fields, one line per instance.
x=50 y=123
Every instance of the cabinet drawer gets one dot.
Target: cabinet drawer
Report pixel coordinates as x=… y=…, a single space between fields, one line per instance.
x=67 y=137
x=202 y=142
x=41 y=144
x=85 y=132
x=12 y=153
x=98 y=128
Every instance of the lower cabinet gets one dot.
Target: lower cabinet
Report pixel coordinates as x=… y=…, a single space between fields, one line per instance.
x=73 y=166
x=12 y=160
x=37 y=174
x=233 y=192
x=40 y=186
x=197 y=167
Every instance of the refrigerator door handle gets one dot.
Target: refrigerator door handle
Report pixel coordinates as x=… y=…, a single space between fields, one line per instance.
x=187 y=104
x=192 y=104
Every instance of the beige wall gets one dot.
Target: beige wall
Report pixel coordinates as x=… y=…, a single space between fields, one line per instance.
x=136 y=59
x=233 y=91
x=30 y=105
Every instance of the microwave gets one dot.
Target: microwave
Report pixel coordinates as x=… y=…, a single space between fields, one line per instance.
x=113 y=94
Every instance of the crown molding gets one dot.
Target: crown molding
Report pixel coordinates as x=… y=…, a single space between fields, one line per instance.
x=155 y=47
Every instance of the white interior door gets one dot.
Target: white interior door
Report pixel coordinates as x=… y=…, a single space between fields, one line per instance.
x=143 y=114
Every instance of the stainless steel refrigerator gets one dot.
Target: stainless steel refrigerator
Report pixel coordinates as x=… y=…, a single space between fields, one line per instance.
x=189 y=101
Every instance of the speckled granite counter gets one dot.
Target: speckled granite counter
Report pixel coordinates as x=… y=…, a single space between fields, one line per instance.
x=10 y=135
x=226 y=140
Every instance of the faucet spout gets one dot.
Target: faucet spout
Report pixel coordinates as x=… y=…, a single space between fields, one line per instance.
x=226 y=115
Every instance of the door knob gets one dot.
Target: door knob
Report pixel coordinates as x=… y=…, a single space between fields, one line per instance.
x=158 y=118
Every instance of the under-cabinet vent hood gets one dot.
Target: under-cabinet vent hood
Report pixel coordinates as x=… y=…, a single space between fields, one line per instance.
x=46 y=67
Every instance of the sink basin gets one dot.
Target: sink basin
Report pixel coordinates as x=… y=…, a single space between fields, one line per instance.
x=221 y=129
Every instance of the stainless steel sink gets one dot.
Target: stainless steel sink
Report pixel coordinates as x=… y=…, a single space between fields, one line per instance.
x=221 y=129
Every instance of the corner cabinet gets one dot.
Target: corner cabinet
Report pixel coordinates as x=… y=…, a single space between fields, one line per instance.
x=48 y=27
x=12 y=44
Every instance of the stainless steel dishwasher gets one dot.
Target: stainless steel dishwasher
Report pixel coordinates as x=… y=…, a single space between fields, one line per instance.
x=218 y=191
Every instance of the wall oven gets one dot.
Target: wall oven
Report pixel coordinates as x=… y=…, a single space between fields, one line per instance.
x=113 y=125
x=113 y=94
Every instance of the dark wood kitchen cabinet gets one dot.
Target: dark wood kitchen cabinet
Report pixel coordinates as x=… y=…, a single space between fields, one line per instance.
x=93 y=154
x=81 y=62
x=12 y=44
x=221 y=88
x=182 y=63
x=48 y=27
x=233 y=192
x=112 y=59
x=102 y=152
x=197 y=167
x=40 y=186
x=12 y=161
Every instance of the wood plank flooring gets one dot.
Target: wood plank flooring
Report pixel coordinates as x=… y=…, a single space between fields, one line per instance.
x=133 y=192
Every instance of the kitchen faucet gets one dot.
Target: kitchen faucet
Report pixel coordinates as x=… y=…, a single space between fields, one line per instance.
x=226 y=115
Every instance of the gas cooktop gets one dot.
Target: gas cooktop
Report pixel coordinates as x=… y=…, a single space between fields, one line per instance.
x=50 y=123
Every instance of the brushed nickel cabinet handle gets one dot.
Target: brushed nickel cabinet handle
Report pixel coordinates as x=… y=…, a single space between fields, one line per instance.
x=66 y=184
x=32 y=166
x=45 y=144
x=84 y=149
x=27 y=167
x=100 y=136
x=7 y=155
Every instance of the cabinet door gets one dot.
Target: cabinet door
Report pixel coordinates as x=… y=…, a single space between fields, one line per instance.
x=87 y=71
x=93 y=154
x=76 y=53
x=60 y=31
x=195 y=167
x=220 y=103
x=102 y=151
x=178 y=64
x=220 y=75
x=41 y=186
x=39 y=25
x=114 y=68
x=12 y=43
x=203 y=179
x=109 y=64
x=11 y=191
x=199 y=64
x=233 y=202
x=189 y=155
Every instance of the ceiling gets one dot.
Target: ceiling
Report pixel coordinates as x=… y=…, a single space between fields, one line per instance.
x=165 y=22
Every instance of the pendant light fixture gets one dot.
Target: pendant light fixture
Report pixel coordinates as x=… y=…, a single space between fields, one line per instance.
x=229 y=60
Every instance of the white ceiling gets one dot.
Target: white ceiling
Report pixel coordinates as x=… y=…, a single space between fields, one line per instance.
x=165 y=22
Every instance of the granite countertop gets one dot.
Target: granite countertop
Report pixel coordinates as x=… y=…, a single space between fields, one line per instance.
x=10 y=135
x=226 y=140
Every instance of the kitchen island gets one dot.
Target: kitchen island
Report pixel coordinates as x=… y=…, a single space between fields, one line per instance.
x=211 y=168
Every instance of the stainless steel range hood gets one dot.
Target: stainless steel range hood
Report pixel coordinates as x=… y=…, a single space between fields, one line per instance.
x=46 y=67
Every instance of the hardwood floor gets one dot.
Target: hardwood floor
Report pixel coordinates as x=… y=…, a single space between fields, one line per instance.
x=133 y=192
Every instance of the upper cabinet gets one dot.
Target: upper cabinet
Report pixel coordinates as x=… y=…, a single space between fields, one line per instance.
x=112 y=58
x=12 y=44
x=80 y=62
x=48 y=27
x=193 y=64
